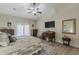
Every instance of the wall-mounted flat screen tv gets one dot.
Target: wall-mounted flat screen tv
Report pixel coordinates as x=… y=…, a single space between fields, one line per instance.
x=50 y=24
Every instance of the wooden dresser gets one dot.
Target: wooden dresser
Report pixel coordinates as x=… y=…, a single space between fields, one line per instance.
x=34 y=32
x=10 y=31
x=50 y=35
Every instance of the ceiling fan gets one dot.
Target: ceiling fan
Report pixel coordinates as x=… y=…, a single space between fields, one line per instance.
x=34 y=9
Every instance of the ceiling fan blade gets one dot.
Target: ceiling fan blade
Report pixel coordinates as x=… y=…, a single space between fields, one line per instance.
x=39 y=12
x=29 y=11
x=30 y=8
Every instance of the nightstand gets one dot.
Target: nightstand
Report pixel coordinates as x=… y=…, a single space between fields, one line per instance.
x=66 y=41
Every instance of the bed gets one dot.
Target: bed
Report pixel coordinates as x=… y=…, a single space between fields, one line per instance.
x=23 y=46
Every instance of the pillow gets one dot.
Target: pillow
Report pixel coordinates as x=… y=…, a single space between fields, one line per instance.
x=3 y=35
x=12 y=38
x=4 y=41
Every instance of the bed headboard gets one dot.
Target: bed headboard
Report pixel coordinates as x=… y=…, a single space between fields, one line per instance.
x=10 y=31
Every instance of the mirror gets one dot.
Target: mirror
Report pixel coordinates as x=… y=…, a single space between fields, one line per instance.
x=69 y=26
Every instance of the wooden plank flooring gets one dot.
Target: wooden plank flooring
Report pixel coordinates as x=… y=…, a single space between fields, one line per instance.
x=57 y=49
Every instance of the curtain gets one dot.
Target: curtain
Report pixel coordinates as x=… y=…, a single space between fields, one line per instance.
x=23 y=30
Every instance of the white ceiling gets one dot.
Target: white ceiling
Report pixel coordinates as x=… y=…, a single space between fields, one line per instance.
x=48 y=9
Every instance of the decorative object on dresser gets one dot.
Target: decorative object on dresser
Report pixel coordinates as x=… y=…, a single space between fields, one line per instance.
x=66 y=40
x=10 y=31
x=49 y=35
x=34 y=32
x=9 y=24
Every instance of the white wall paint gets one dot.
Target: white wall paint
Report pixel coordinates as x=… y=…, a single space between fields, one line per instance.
x=15 y=20
x=71 y=11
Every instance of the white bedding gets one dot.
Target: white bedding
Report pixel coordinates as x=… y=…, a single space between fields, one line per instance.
x=22 y=43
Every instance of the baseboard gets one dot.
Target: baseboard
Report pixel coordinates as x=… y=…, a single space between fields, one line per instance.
x=75 y=46
x=70 y=45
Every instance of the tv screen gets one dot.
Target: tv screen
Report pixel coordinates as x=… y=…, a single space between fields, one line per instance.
x=50 y=24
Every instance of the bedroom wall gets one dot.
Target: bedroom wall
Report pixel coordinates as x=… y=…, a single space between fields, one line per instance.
x=15 y=20
x=69 y=12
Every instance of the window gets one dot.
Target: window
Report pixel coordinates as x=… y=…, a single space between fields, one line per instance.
x=23 y=30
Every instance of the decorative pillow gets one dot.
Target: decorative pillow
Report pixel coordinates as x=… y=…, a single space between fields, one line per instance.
x=12 y=38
